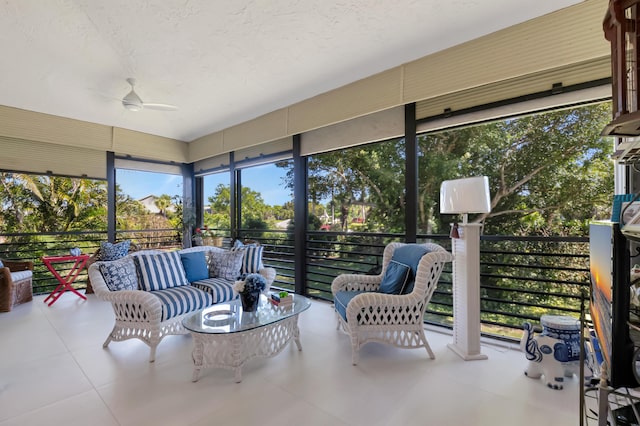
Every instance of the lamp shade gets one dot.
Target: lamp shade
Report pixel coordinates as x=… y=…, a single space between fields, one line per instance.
x=468 y=195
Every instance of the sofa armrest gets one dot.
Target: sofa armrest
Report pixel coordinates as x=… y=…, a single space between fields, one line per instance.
x=269 y=275
x=128 y=305
x=134 y=305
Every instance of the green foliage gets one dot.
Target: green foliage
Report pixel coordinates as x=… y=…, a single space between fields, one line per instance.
x=369 y=178
x=51 y=204
x=549 y=173
x=34 y=203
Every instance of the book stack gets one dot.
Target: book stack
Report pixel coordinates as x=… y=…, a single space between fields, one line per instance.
x=281 y=299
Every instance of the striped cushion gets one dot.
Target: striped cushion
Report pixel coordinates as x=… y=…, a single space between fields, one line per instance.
x=180 y=300
x=220 y=289
x=160 y=271
x=21 y=275
x=252 y=261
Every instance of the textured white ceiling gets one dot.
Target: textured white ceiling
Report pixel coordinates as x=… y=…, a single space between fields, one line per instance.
x=221 y=62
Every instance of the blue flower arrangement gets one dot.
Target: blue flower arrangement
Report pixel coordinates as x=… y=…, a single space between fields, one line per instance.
x=252 y=282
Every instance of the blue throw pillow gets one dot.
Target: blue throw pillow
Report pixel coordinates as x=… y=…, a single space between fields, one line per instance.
x=195 y=266
x=109 y=251
x=395 y=278
x=410 y=254
x=119 y=274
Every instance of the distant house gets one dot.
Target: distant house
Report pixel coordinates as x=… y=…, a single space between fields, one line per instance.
x=283 y=224
x=149 y=203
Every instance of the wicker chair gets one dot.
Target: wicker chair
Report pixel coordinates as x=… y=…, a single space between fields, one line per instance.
x=15 y=284
x=388 y=318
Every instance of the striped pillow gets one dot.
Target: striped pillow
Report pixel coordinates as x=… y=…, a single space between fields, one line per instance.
x=160 y=271
x=252 y=261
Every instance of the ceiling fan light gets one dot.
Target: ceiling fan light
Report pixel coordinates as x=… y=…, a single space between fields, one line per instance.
x=131 y=106
x=132 y=101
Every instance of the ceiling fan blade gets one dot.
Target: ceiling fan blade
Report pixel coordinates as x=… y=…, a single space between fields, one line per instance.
x=160 y=107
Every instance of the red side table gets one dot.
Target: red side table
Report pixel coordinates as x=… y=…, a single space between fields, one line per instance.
x=65 y=282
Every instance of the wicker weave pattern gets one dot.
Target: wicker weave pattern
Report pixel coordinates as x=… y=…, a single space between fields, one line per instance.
x=392 y=319
x=138 y=313
x=15 y=292
x=232 y=350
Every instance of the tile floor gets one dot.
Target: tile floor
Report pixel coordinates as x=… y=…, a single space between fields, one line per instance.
x=54 y=371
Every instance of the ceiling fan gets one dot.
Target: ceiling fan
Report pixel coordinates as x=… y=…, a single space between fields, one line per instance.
x=132 y=101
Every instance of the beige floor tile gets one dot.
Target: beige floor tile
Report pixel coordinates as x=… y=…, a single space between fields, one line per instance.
x=53 y=370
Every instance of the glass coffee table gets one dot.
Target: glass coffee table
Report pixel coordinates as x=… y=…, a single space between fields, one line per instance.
x=224 y=336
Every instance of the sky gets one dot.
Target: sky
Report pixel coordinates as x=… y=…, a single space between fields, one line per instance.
x=266 y=179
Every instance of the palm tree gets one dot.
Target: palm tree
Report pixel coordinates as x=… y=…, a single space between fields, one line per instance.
x=163 y=202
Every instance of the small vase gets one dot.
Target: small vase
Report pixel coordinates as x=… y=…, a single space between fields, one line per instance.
x=250 y=300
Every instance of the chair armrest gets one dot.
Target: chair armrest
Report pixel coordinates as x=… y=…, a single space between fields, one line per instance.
x=355 y=282
x=18 y=265
x=384 y=305
x=5 y=277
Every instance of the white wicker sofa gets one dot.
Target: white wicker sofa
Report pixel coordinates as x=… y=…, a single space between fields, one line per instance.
x=146 y=310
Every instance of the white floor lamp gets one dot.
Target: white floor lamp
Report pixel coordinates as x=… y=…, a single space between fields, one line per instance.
x=464 y=196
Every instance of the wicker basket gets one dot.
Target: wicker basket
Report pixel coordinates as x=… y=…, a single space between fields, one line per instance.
x=213 y=241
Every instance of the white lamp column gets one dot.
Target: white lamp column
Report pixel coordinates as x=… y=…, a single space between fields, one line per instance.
x=466 y=292
x=464 y=196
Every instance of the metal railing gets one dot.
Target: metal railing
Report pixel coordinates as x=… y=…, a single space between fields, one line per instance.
x=522 y=278
x=33 y=246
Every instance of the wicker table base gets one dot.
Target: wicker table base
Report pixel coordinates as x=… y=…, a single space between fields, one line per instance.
x=225 y=336
x=231 y=351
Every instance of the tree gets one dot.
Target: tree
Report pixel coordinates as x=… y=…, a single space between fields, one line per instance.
x=163 y=202
x=40 y=203
x=51 y=204
x=255 y=213
x=371 y=175
x=549 y=173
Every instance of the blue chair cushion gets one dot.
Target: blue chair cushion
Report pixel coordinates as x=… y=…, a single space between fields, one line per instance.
x=409 y=254
x=181 y=300
x=195 y=265
x=342 y=299
x=221 y=290
x=395 y=278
